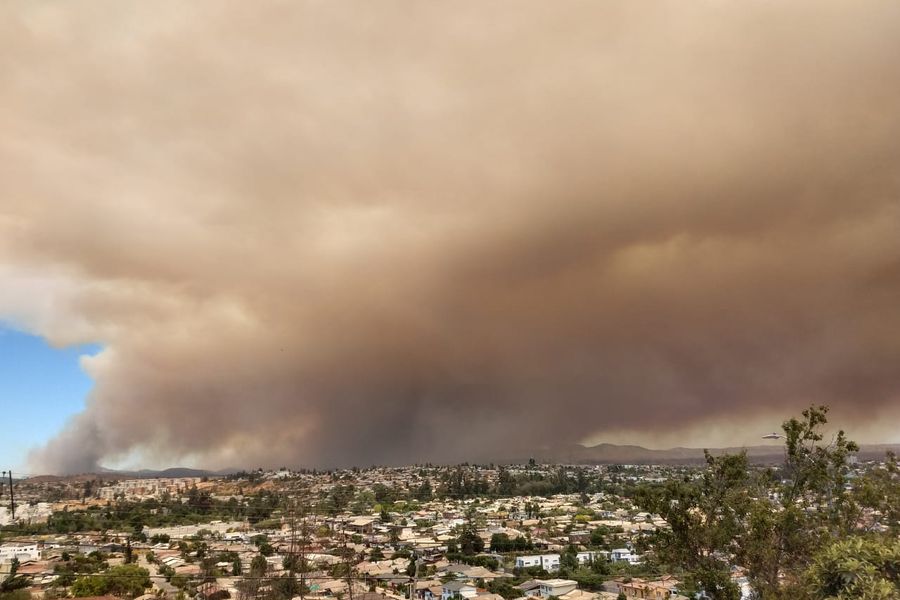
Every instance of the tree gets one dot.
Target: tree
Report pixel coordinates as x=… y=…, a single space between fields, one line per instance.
x=123 y=580
x=598 y=536
x=856 y=568
x=506 y=485
x=503 y=587
x=704 y=517
x=771 y=522
x=424 y=493
x=798 y=508
x=208 y=567
x=258 y=566
x=568 y=561
x=469 y=540
x=600 y=565
x=284 y=587
x=500 y=542
x=879 y=489
x=13 y=581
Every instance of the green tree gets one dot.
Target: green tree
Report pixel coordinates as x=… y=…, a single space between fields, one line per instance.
x=424 y=493
x=123 y=580
x=879 y=489
x=503 y=587
x=13 y=581
x=856 y=568
x=258 y=566
x=469 y=540
x=500 y=542
x=705 y=517
x=506 y=484
x=568 y=561
x=798 y=508
x=771 y=522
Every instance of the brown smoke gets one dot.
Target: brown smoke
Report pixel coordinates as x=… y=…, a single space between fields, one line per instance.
x=328 y=233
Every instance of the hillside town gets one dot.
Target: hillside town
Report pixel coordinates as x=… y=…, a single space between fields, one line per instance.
x=561 y=532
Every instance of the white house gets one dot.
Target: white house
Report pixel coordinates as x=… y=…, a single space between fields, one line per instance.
x=624 y=555
x=591 y=555
x=556 y=587
x=458 y=589
x=22 y=551
x=548 y=562
x=173 y=561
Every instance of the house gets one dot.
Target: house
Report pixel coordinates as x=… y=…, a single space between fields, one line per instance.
x=556 y=587
x=531 y=587
x=466 y=572
x=428 y=589
x=23 y=551
x=548 y=562
x=457 y=589
x=371 y=596
x=643 y=517
x=591 y=555
x=35 y=569
x=172 y=561
x=580 y=536
x=577 y=594
x=624 y=555
x=363 y=524
x=661 y=589
x=431 y=592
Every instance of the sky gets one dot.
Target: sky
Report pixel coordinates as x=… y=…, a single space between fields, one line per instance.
x=325 y=234
x=40 y=388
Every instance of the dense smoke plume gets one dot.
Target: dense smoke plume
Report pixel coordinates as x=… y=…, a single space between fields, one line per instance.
x=331 y=233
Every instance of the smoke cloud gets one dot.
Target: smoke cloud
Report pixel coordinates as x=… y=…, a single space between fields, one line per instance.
x=350 y=233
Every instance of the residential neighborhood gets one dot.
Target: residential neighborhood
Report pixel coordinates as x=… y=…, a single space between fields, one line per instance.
x=447 y=533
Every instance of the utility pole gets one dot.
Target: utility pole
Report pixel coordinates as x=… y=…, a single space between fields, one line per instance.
x=415 y=578
x=348 y=561
x=304 y=533
x=291 y=557
x=12 y=498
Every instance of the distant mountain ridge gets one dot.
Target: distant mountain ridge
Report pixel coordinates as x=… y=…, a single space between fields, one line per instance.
x=600 y=454
x=110 y=474
x=629 y=454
